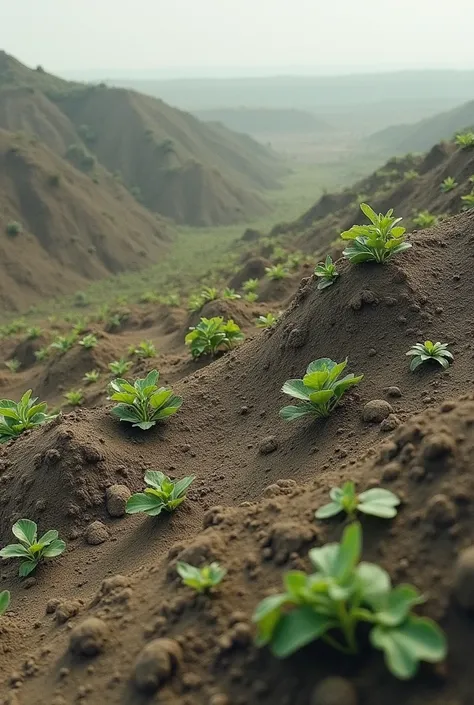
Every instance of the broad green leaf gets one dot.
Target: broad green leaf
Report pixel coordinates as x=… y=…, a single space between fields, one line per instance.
x=25 y=530
x=381 y=496
x=316 y=380
x=296 y=629
x=124 y=397
x=55 y=548
x=296 y=388
x=165 y=413
x=182 y=485
x=416 y=362
x=322 y=397
x=290 y=413
x=187 y=571
x=325 y=558
x=9 y=413
x=145 y=425
x=396 y=605
x=4 y=601
x=337 y=369
x=26 y=568
x=126 y=413
x=48 y=537
x=349 y=551
x=324 y=363
x=266 y=616
x=14 y=550
x=141 y=502
x=369 y=213
x=160 y=397
x=374 y=582
x=337 y=493
x=295 y=582
x=328 y=510
x=155 y=478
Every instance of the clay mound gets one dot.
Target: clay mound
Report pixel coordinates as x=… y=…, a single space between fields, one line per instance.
x=253 y=268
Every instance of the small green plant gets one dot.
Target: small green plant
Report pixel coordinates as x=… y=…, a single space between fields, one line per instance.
x=448 y=184
x=411 y=175
x=149 y=297
x=425 y=219
x=120 y=367
x=163 y=494
x=32 y=550
x=63 y=343
x=14 y=228
x=429 y=351
x=172 y=300
x=230 y=294
x=251 y=297
x=33 y=333
x=200 y=579
x=266 y=321
x=377 y=502
x=320 y=390
x=143 y=403
x=16 y=417
x=80 y=299
x=91 y=377
x=74 y=397
x=465 y=140
x=330 y=603
x=278 y=271
x=89 y=341
x=145 y=349
x=212 y=335
x=209 y=293
x=41 y=354
x=294 y=260
x=327 y=273
x=250 y=285
x=195 y=303
x=376 y=242
x=13 y=365
x=4 y=601
x=468 y=201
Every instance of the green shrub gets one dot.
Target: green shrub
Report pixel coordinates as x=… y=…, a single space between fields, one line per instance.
x=89 y=341
x=430 y=352
x=230 y=294
x=212 y=335
x=144 y=349
x=33 y=332
x=376 y=242
x=468 y=201
x=209 y=293
x=250 y=285
x=14 y=228
x=251 y=297
x=163 y=494
x=91 y=377
x=327 y=273
x=32 y=550
x=143 y=404
x=16 y=417
x=63 y=343
x=465 y=140
x=377 y=502
x=200 y=579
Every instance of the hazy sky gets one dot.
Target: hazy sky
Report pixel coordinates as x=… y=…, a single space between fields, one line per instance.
x=194 y=37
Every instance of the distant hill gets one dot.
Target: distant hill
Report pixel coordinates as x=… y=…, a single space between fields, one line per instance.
x=418 y=137
x=184 y=169
x=261 y=121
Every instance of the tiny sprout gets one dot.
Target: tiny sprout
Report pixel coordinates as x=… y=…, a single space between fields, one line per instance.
x=377 y=502
x=200 y=579
x=91 y=377
x=120 y=367
x=448 y=184
x=4 y=601
x=251 y=297
x=425 y=219
x=18 y=417
x=230 y=294
x=424 y=352
x=209 y=293
x=266 y=321
x=195 y=303
x=212 y=335
x=75 y=397
x=63 y=343
x=89 y=341
x=465 y=140
x=277 y=272
x=250 y=285
x=33 y=332
x=13 y=365
x=31 y=549
x=163 y=494
x=327 y=272
x=145 y=349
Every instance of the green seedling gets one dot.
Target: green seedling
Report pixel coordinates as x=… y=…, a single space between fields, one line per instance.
x=342 y=593
x=279 y=253
x=251 y=297
x=411 y=175
x=429 y=351
x=143 y=404
x=209 y=293
x=13 y=365
x=425 y=219
x=32 y=550
x=149 y=297
x=163 y=494
x=41 y=354
x=4 y=601
x=465 y=140
x=14 y=228
x=448 y=184
x=468 y=201
x=63 y=343
x=327 y=273
x=320 y=390
x=120 y=367
x=266 y=321
x=195 y=303
x=74 y=397
x=200 y=579
x=377 y=242
x=212 y=335
x=91 y=377
x=145 y=349
x=377 y=502
x=89 y=341
x=16 y=417
x=33 y=333
x=80 y=327
x=114 y=321
x=230 y=294
x=250 y=285
x=294 y=260
x=278 y=271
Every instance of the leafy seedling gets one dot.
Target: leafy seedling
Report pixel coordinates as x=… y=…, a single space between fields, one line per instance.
x=251 y=297
x=266 y=321
x=411 y=175
x=230 y=294
x=250 y=285
x=278 y=271
x=448 y=184
x=212 y=335
x=327 y=273
x=320 y=390
x=330 y=603
x=195 y=303
x=430 y=352
x=425 y=219
x=41 y=354
x=120 y=367
x=13 y=365
x=468 y=201
x=63 y=343
x=209 y=293
x=33 y=333
x=74 y=397
x=16 y=417
x=465 y=140
x=145 y=349
x=32 y=550
x=4 y=601
x=200 y=579
x=163 y=494
x=377 y=242
x=89 y=341
x=91 y=377
x=143 y=404
x=377 y=502
x=14 y=228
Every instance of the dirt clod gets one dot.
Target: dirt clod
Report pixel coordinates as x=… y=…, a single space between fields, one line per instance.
x=96 y=533
x=88 y=638
x=156 y=663
x=463 y=586
x=268 y=445
x=116 y=500
x=376 y=410
x=334 y=691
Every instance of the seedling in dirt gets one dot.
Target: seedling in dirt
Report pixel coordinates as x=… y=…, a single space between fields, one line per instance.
x=120 y=367
x=212 y=335
x=4 y=601
x=91 y=377
x=266 y=321
x=89 y=341
x=145 y=349
x=448 y=184
x=13 y=365
x=250 y=285
x=277 y=272
x=468 y=201
x=465 y=140
x=251 y=297
x=327 y=273
x=230 y=294
x=377 y=502
x=200 y=579
x=33 y=333
x=410 y=175
x=429 y=351
x=425 y=219
x=63 y=343
x=143 y=403
x=80 y=327
x=294 y=260
x=330 y=604
x=377 y=242
x=163 y=494
x=32 y=550
x=209 y=293
x=320 y=390
x=74 y=397
x=41 y=354
x=114 y=321
x=149 y=297
x=14 y=228
x=16 y=417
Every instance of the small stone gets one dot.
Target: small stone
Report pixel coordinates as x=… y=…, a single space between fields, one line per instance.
x=447 y=406
x=88 y=638
x=28 y=583
x=394 y=392
x=156 y=663
x=463 y=587
x=297 y=338
x=391 y=472
x=334 y=691
x=96 y=533
x=376 y=410
x=441 y=510
x=52 y=604
x=437 y=446
x=244 y=410
x=67 y=609
x=268 y=445
x=390 y=423
x=116 y=500
x=372 y=352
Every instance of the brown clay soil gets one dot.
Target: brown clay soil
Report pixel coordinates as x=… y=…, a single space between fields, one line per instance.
x=258 y=483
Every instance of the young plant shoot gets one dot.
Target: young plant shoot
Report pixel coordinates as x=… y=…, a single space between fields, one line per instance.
x=330 y=603
x=89 y=341
x=163 y=494
x=376 y=242
x=4 y=601
x=32 y=550
x=200 y=579
x=430 y=352
x=230 y=294
x=278 y=271
x=266 y=321
x=74 y=397
x=143 y=403
x=18 y=417
x=212 y=335
x=327 y=273
x=120 y=367
x=91 y=377
x=145 y=349
x=448 y=184
x=425 y=219
x=320 y=390
x=377 y=502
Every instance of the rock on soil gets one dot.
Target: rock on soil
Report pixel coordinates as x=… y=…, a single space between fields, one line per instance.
x=156 y=664
x=334 y=691
x=376 y=410
x=464 y=579
x=268 y=445
x=96 y=533
x=88 y=638
x=116 y=499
